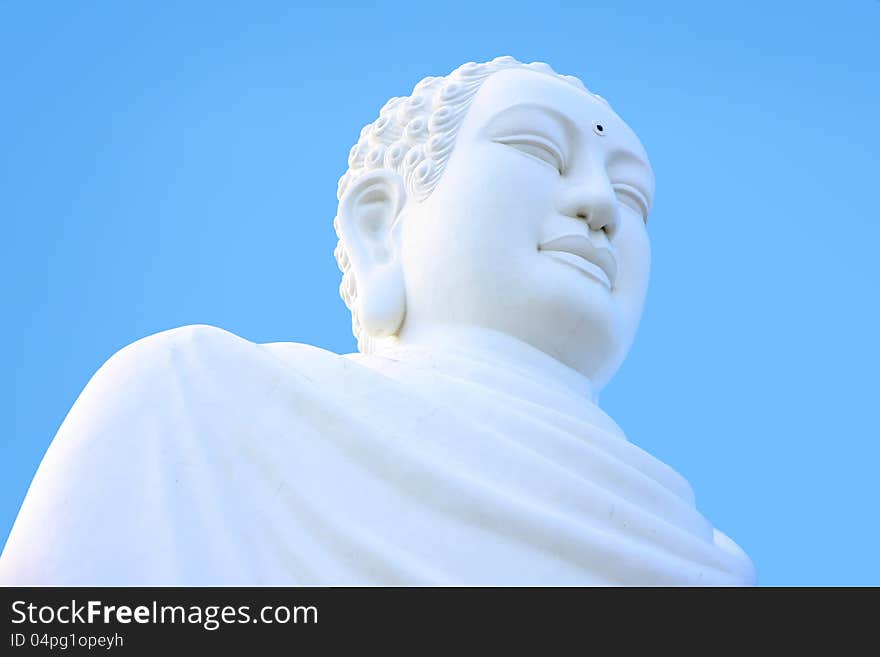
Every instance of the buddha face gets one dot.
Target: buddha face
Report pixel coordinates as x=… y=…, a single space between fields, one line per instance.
x=536 y=228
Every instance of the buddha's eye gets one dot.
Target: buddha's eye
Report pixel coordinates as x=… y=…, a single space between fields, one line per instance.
x=632 y=198
x=538 y=148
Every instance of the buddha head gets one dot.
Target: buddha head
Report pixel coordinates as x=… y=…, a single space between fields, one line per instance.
x=503 y=196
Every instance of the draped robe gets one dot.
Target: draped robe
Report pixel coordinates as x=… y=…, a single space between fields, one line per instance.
x=196 y=457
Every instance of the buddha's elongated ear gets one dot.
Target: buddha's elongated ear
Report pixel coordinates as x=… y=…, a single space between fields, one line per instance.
x=369 y=225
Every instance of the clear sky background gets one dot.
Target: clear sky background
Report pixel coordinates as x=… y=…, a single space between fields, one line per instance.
x=170 y=163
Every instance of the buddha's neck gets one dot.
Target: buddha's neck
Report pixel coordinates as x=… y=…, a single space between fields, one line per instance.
x=495 y=348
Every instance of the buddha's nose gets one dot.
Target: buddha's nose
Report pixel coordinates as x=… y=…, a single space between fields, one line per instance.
x=593 y=200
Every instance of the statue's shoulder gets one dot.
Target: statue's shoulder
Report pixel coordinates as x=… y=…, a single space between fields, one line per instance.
x=160 y=438
x=160 y=354
x=191 y=380
x=175 y=340
x=201 y=354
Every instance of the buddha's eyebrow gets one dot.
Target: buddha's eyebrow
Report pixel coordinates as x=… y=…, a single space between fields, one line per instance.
x=626 y=166
x=625 y=157
x=522 y=111
x=619 y=156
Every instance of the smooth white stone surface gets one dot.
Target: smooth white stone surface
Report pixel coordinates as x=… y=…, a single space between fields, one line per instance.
x=495 y=257
x=197 y=457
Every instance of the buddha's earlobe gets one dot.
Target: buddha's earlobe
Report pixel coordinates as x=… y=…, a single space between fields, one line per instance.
x=368 y=218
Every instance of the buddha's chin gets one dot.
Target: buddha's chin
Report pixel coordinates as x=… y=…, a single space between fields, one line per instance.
x=596 y=362
x=587 y=340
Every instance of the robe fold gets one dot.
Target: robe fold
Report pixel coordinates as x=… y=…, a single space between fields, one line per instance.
x=195 y=457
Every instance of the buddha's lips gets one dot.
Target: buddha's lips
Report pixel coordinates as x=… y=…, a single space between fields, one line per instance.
x=594 y=260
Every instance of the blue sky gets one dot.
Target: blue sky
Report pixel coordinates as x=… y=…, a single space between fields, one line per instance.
x=173 y=163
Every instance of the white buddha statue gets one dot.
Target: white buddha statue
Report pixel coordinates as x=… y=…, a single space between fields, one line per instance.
x=493 y=242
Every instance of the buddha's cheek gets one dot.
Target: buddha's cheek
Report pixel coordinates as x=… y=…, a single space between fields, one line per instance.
x=469 y=250
x=634 y=266
x=634 y=262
